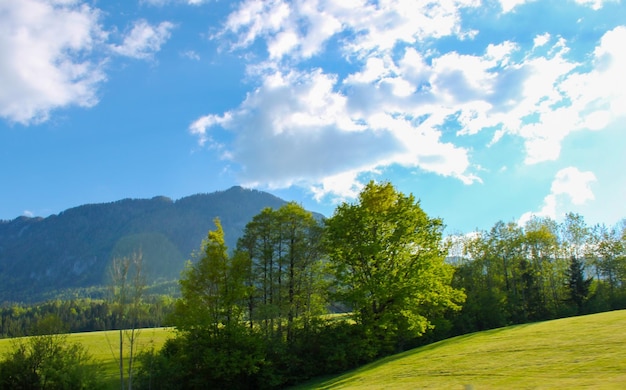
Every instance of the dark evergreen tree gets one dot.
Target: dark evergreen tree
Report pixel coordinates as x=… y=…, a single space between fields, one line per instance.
x=577 y=284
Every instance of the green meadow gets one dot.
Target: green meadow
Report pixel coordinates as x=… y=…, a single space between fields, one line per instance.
x=587 y=352
x=579 y=352
x=104 y=347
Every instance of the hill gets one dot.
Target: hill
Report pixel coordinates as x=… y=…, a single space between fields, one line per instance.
x=571 y=353
x=41 y=256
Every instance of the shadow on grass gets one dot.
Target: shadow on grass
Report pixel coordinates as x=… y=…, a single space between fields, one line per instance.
x=352 y=376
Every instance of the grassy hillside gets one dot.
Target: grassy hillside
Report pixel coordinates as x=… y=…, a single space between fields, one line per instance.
x=581 y=352
x=103 y=345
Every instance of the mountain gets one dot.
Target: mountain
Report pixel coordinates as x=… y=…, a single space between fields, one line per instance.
x=72 y=250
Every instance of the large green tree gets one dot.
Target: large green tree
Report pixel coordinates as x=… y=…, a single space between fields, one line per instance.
x=389 y=261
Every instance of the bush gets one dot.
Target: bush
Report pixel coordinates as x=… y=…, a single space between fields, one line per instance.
x=49 y=362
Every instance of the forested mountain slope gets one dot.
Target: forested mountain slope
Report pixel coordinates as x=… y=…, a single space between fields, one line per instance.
x=39 y=256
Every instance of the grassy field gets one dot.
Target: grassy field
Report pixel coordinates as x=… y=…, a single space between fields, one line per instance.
x=104 y=347
x=581 y=352
x=587 y=352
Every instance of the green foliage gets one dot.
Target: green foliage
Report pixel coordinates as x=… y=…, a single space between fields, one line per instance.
x=577 y=284
x=212 y=289
x=388 y=259
x=82 y=315
x=514 y=274
x=229 y=359
x=49 y=361
x=286 y=276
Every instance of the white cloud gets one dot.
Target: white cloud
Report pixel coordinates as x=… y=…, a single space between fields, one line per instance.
x=144 y=39
x=160 y=3
x=541 y=40
x=299 y=128
x=191 y=54
x=509 y=5
x=394 y=92
x=575 y=184
x=53 y=55
x=550 y=96
x=570 y=187
x=301 y=28
x=595 y=4
x=45 y=62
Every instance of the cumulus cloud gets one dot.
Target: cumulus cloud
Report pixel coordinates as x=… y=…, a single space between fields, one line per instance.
x=46 y=60
x=300 y=29
x=144 y=39
x=295 y=128
x=300 y=128
x=569 y=187
x=393 y=99
x=585 y=100
x=53 y=55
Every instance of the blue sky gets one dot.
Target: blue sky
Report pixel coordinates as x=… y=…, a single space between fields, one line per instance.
x=484 y=110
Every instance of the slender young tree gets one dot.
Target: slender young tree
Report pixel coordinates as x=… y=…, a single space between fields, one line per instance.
x=127 y=289
x=213 y=289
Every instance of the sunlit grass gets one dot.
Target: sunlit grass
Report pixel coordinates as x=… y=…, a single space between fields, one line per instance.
x=104 y=347
x=581 y=352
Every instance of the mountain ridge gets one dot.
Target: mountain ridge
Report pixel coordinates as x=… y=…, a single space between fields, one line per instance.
x=72 y=249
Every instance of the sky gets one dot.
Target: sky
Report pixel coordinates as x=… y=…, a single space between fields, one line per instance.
x=484 y=110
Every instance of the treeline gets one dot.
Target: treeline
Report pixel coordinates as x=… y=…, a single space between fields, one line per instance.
x=514 y=274
x=81 y=315
x=260 y=317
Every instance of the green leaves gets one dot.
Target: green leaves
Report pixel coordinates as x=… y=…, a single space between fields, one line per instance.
x=213 y=288
x=388 y=260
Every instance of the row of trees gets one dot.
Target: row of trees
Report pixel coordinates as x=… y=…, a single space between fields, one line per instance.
x=82 y=315
x=259 y=316
x=515 y=274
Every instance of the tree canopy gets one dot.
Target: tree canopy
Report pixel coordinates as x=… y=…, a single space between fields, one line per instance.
x=389 y=260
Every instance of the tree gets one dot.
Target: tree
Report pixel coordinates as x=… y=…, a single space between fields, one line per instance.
x=215 y=348
x=127 y=289
x=542 y=249
x=213 y=289
x=388 y=259
x=285 y=277
x=607 y=251
x=577 y=285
